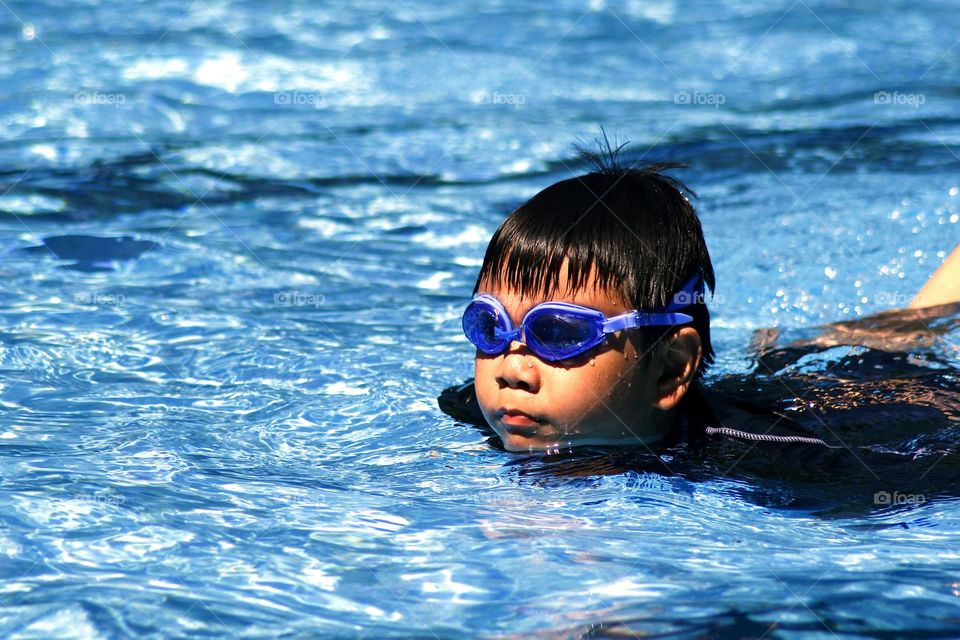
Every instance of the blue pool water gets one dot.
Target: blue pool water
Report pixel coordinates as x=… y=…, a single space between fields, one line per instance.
x=236 y=240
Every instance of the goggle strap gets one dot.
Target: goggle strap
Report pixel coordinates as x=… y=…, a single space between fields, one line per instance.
x=663 y=319
x=640 y=319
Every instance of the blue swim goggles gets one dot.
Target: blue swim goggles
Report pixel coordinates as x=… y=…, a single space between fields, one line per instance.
x=559 y=330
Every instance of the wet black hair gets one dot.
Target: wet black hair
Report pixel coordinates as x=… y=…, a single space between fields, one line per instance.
x=633 y=224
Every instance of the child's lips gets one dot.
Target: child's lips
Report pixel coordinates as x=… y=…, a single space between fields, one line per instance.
x=519 y=421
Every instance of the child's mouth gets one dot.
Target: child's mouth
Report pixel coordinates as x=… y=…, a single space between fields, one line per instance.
x=519 y=422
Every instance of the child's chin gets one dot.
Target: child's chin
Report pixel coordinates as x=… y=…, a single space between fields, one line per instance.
x=540 y=442
x=544 y=442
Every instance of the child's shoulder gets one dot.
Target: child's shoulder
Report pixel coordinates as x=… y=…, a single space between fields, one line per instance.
x=460 y=403
x=748 y=429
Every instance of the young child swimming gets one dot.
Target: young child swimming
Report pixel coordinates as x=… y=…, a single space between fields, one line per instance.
x=591 y=325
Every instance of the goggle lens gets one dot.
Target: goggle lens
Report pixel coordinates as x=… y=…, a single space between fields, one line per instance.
x=555 y=335
x=480 y=324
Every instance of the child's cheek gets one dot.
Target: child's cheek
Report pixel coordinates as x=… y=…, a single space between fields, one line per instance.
x=615 y=384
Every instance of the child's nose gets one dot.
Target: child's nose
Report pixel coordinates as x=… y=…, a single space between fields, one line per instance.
x=519 y=369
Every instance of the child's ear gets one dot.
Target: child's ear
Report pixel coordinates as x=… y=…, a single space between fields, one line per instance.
x=679 y=357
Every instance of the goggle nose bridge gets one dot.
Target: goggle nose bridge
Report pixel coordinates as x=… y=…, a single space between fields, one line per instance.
x=510 y=334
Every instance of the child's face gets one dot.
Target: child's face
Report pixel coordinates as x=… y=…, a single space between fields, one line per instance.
x=605 y=396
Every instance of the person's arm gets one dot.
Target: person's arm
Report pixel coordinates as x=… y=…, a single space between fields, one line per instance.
x=891 y=330
x=943 y=286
